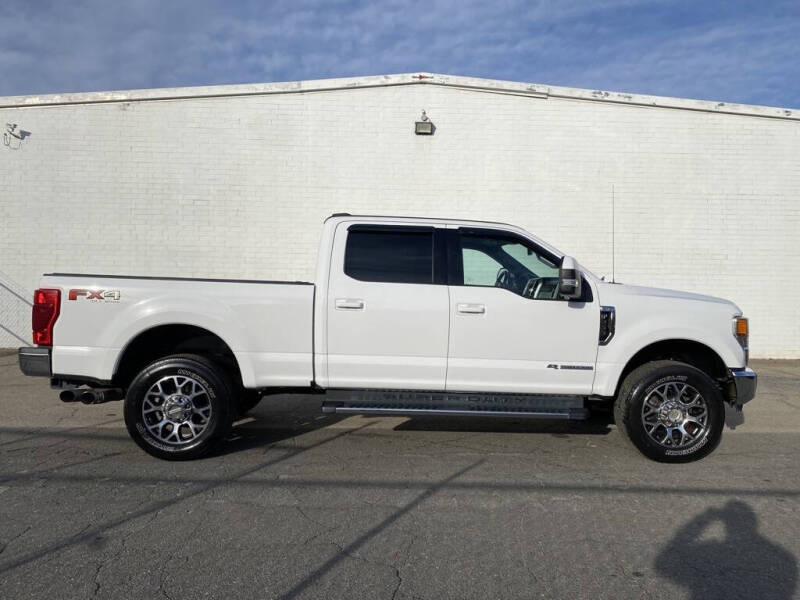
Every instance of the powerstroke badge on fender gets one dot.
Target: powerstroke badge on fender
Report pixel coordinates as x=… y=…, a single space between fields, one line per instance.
x=95 y=295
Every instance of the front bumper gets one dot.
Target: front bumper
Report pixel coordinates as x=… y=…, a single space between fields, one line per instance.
x=35 y=361
x=742 y=388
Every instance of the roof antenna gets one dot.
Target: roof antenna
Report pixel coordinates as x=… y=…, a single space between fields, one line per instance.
x=613 y=221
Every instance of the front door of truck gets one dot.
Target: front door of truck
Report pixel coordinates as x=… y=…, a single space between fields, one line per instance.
x=387 y=307
x=509 y=330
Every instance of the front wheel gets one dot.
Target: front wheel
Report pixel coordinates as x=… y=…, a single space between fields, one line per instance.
x=671 y=411
x=178 y=407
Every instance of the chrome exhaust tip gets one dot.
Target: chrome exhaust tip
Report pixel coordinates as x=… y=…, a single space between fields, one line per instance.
x=68 y=396
x=101 y=396
x=89 y=397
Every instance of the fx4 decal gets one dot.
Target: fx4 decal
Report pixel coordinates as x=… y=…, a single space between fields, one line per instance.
x=95 y=295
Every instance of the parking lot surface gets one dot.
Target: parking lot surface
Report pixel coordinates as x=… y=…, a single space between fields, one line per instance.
x=302 y=505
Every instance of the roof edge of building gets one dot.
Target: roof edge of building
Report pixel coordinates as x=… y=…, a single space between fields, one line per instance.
x=472 y=83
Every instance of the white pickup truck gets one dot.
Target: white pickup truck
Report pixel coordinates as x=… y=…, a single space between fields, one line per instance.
x=408 y=316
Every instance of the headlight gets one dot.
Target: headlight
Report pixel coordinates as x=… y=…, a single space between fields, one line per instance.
x=741 y=332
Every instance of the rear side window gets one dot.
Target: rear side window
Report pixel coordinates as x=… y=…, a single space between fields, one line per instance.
x=394 y=256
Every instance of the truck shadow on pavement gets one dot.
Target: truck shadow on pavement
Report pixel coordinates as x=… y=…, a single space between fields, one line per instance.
x=741 y=564
x=597 y=424
x=257 y=432
x=283 y=418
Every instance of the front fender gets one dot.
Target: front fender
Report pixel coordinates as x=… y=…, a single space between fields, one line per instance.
x=632 y=338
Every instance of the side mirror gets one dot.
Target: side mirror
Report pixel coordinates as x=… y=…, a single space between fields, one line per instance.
x=569 y=279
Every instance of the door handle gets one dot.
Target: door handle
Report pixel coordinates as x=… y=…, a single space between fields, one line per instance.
x=471 y=309
x=349 y=304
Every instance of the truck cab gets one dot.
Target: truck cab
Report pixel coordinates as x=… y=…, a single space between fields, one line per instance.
x=437 y=305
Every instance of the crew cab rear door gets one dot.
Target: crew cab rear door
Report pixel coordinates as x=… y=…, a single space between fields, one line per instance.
x=387 y=307
x=509 y=330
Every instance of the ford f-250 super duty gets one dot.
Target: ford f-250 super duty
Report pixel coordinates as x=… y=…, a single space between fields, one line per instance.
x=407 y=316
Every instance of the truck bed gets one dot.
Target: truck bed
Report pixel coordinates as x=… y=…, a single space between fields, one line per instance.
x=266 y=324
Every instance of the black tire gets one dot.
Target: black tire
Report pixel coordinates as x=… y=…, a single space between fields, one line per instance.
x=211 y=389
x=247 y=401
x=641 y=384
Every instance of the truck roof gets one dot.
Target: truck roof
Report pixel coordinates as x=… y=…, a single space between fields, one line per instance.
x=407 y=218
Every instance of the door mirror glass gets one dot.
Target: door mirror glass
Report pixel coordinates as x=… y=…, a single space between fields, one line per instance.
x=569 y=279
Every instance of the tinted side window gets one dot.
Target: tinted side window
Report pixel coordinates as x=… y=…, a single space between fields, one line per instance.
x=389 y=256
x=479 y=267
x=510 y=263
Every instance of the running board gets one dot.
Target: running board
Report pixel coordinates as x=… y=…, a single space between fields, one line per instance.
x=575 y=414
x=458 y=404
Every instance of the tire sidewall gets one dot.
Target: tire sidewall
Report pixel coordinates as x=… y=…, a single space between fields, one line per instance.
x=678 y=374
x=219 y=398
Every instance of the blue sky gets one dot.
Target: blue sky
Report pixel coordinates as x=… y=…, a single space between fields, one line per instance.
x=729 y=51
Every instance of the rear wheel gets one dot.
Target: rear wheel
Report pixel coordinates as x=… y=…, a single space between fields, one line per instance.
x=179 y=407
x=671 y=411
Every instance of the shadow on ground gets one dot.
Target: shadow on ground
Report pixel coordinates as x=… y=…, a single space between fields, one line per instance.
x=597 y=424
x=269 y=424
x=278 y=419
x=741 y=563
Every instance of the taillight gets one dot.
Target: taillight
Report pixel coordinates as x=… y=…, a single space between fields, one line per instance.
x=46 y=305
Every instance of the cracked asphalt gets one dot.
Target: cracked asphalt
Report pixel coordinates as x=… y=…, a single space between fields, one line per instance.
x=301 y=505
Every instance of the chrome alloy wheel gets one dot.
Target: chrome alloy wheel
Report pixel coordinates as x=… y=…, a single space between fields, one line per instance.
x=675 y=415
x=176 y=409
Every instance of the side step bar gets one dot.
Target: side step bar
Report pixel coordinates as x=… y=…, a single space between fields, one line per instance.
x=415 y=403
x=577 y=414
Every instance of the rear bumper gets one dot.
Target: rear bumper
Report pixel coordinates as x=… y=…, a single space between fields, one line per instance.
x=743 y=386
x=35 y=361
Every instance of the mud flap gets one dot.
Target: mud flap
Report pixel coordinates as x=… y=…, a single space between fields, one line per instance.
x=733 y=415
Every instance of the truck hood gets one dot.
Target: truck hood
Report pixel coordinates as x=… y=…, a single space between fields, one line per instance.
x=609 y=292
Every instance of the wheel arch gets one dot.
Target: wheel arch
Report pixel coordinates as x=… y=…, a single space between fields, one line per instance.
x=173 y=338
x=691 y=352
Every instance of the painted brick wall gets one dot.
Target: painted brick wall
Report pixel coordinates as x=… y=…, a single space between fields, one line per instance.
x=239 y=186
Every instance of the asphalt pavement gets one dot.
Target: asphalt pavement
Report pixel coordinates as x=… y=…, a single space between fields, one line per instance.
x=298 y=504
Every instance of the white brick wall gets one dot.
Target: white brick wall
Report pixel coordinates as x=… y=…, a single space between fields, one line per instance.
x=238 y=186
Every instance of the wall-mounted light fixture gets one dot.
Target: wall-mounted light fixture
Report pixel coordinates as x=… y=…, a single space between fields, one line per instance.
x=424 y=126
